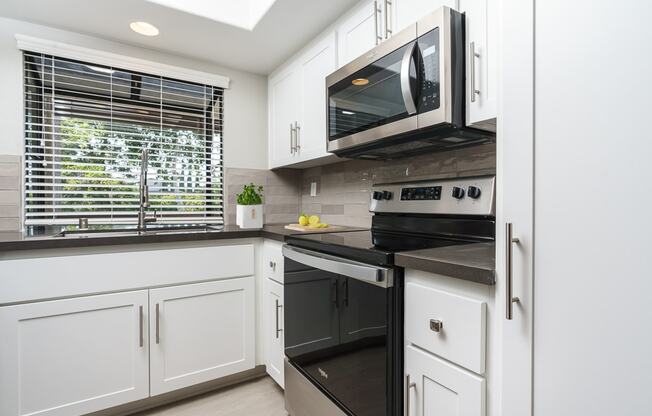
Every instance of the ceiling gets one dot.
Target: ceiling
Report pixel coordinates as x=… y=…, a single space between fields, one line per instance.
x=283 y=29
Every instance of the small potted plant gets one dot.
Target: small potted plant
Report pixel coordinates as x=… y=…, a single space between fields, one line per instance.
x=249 y=212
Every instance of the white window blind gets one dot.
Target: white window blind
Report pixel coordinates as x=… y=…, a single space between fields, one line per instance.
x=85 y=128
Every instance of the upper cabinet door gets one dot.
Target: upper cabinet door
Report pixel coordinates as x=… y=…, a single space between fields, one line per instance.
x=284 y=102
x=318 y=62
x=481 y=63
x=200 y=332
x=359 y=32
x=402 y=13
x=73 y=356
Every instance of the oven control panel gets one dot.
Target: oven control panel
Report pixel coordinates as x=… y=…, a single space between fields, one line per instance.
x=421 y=193
x=458 y=196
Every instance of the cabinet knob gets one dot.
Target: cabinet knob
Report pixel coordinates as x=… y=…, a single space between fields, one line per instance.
x=272 y=265
x=436 y=325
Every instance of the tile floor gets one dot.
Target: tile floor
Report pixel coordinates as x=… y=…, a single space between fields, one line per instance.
x=261 y=397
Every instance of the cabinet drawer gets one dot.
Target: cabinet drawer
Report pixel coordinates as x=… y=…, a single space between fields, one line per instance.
x=448 y=325
x=273 y=260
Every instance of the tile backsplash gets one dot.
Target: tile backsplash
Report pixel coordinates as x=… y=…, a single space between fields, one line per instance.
x=343 y=189
x=10 y=199
x=281 y=192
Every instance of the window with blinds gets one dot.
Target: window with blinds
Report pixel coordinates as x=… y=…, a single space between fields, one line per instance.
x=85 y=128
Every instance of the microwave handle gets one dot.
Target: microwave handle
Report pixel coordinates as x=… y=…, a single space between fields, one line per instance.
x=406 y=88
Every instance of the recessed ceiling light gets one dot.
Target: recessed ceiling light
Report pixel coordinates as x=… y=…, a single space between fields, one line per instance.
x=360 y=81
x=144 y=28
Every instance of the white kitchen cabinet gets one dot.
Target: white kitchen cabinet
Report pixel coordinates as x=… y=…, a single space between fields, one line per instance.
x=200 y=332
x=438 y=388
x=359 y=31
x=403 y=13
x=446 y=324
x=73 y=356
x=482 y=62
x=273 y=266
x=274 y=354
x=284 y=107
x=515 y=205
x=297 y=100
x=316 y=64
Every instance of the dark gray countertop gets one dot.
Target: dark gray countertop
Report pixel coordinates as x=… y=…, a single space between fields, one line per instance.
x=474 y=262
x=43 y=237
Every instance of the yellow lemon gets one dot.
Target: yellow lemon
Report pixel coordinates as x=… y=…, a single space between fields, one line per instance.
x=314 y=219
x=303 y=219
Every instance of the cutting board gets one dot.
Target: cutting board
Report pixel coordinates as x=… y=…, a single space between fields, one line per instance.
x=306 y=229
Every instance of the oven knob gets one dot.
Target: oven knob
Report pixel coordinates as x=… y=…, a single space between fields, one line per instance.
x=377 y=195
x=473 y=192
x=387 y=195
x=458 y=193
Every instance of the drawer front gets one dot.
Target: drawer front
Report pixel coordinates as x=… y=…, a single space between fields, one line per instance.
x=448 y=325
x=273 y=260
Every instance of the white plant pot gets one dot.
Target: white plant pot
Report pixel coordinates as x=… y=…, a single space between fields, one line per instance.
x=249 y=216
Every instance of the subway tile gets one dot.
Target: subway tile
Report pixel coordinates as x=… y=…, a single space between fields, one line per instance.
x=9 y=224
x=332 y=209
x=9 y=211
x=10 y=170
x=10 y=159
x=9 y=182
x=9 y=197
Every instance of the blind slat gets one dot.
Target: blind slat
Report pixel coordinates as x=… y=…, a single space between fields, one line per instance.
x=85 y=126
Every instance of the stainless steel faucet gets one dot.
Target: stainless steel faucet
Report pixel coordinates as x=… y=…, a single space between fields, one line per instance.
x=144 y=193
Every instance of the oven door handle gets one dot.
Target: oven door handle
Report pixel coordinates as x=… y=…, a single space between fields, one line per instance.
x=379 y=276
x=406 y=87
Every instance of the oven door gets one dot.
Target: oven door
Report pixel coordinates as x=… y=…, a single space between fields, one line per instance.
x=339 y=329
x=375 y=95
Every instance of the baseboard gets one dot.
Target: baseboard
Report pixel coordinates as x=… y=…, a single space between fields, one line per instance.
x=181 y=394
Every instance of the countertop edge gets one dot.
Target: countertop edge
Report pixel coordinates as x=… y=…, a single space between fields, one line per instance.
x=272 y=231
x=455 y=270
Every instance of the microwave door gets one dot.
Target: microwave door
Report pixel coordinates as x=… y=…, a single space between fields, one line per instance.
x=370 y=103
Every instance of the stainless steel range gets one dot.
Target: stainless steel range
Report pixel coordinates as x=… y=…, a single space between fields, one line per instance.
x=344 y=296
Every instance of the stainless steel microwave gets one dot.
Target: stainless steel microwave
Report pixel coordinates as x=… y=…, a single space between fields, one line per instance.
x=404 y=97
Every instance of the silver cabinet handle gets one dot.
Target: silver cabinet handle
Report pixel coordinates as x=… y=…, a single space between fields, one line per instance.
x=278 y=330
x=388 y=31
x=473 y=56
x=436 y=325
x=379 y=37
x=408 y=385
x=509 y=298
x=297 y=137
x=406 y=88
x=291 y=138
x=158 y=326
x=140 y=326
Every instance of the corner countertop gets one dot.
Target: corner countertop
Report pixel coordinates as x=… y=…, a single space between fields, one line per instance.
x=474 y=262
x=44 y=237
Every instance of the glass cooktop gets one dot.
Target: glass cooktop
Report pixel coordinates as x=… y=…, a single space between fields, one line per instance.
x=373 y=247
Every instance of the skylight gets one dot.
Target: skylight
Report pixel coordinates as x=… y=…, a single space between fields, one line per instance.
x=244 y=14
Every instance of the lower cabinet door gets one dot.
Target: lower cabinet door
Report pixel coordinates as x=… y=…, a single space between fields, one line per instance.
x=438 y=388
x=274 y=355
x=73 y=356
x=200 y=332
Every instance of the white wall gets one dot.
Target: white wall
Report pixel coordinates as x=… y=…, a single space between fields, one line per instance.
x=593 y=228
x=245 y=118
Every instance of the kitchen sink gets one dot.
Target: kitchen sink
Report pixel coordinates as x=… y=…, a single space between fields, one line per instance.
x=125 y=231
